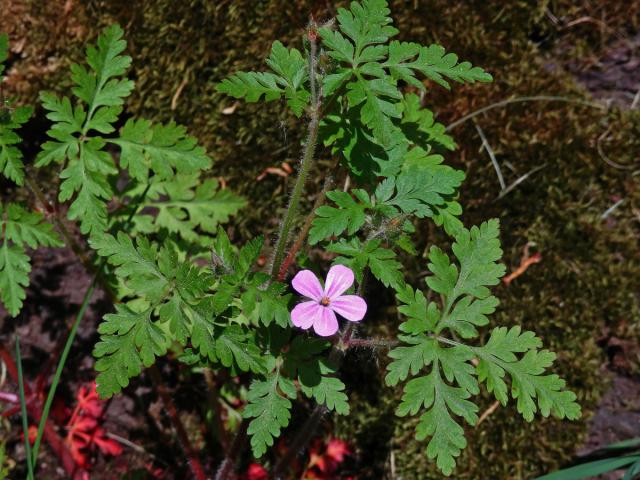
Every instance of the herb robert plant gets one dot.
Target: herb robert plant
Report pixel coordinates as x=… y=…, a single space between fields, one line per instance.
x=360 y=105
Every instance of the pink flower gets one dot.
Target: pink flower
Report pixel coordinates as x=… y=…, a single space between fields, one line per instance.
x=320 y=311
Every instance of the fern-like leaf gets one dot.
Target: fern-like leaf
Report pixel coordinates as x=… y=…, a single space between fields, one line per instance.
x=269 y=410
x=406 y=58
x=444 y=392
x=20 y=229
x=288 y=80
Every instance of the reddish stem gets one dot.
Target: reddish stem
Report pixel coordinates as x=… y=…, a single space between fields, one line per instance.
x=194 y=462
x=295 y=248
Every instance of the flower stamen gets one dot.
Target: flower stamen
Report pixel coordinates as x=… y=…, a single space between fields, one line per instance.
x=325 y=301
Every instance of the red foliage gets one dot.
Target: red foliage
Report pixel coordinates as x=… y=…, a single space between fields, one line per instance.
x=255 y=472
x=84 y=433
x=324 y=463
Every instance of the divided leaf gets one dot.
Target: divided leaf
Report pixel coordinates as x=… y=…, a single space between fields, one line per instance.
x=163 y=149
x=288 y=80
x=453 y=377
x=129 y=340
x=269 y=410
x=381 y=261
x=187 y=206
x=11 y=165
x=407 y=58
x=349 y=216
x=20 y=229
x=528 y=383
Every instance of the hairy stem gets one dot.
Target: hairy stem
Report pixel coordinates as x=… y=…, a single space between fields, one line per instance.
x=305 y=164
x=227 y=467
x=372 y=343
x=304 y=231
x=216 y=411
x=62 y=228
x=299 y=442
x=172 y=411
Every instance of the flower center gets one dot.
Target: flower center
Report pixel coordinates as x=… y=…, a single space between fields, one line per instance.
x=325 y=301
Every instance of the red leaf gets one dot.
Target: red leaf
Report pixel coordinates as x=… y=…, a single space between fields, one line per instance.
x=255 y=472
x=337 y=450
x=106 y=445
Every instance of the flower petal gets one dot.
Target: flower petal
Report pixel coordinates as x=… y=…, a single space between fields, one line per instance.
x=326 y=324
x=305 y=314
x=351 y=307
x=339 y=279
x=306 y=283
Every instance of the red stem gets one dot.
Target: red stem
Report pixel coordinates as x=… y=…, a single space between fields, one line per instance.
x=194 y=462
x=282 y=273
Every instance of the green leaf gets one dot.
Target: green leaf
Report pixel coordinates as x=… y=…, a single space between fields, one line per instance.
x=23 y=227
x=329 y=391
x=457 y=369
x=87 y=175
x=99 y=87
x=11 y=165
x=202 y=328
x=419 y=125
x=290 y=75
x=188 y=207
x=469 y=313
x=440 y=401
x=527 y=380
x=291 y=68
x=349 y=216
x=235 y=347
x=269 y=410
x=136 y=263
x=406 y=58
x=20 y=229
x=378 y=108
x=367 y=24
x=87 y=166
x=272 y=305
x=381 y=261
x=14 y=277
x=352 y=141
x=163 y=149
x=410 y=359
x=129 y=340
x=422 y=316
x=477 y=251
x=419 y=191
x=316 y=375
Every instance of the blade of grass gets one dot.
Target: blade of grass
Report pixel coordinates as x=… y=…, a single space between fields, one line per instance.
x=591 y=469
x=61 y=363
x=72 y=335
x=23 y=410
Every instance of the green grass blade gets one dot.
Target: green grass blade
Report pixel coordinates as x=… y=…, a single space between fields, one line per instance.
x=632 y=472
x=591 y=469
x=61 y=363
x=23 y=410
x=72 y=335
